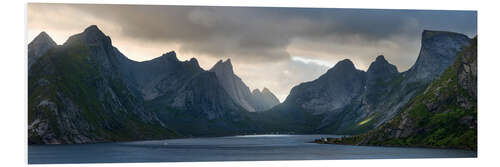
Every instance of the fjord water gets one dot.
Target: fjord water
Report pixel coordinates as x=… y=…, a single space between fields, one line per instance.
x=232 y=148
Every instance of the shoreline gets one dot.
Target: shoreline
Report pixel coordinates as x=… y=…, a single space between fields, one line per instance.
x=341 y=141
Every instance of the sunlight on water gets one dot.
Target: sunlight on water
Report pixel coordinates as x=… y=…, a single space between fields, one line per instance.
x=265 y=135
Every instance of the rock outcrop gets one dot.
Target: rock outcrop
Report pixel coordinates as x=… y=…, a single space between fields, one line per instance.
x=335 y=89
x=239 y=91
x=233 y=84
x=38 y=47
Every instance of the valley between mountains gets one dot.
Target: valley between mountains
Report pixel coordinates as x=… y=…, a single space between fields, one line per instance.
x=87 y=91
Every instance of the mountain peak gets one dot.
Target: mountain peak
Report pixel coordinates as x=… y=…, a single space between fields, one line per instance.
x=169 y=56
x=438 y=51
x=265 y=90
x=381 y=69
x=44 y=38
x=380 y=58
x=382 y=65
x=91 y=34
x=255 y=91
x=36 y=48
x=223 y=65
x=228 y=61
x=345 y=64
x=92 y=28
x=94 y=32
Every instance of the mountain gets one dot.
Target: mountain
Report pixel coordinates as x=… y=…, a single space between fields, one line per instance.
x=239 y=91
x=76 y=95
x=233 y=84
x=378 y=74
x=87 y=91
x=437 y=52
x=38 y=47
x=444 y=115
x=349 y=101
x=332 y=91
x=264 y=100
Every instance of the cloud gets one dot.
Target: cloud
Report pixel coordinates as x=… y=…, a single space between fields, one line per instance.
x=280 y=77
x=256 y=38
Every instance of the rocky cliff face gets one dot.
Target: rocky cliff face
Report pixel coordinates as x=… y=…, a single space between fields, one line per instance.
x=38 y=47
x=239 y=91
x=335 y=89
x=233 y=84
x=378 y=75
x=438 y=51
x=444 y=115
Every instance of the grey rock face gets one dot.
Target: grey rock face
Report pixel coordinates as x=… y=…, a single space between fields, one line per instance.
x=38 y=47
x=163 y=75
x=380 y=70
x=467 y=72
x=77 y=95
x=378 y=75
x=437 y=52
x=335 y=89
x=264 y=100
x=233 y=84
x=352 y=101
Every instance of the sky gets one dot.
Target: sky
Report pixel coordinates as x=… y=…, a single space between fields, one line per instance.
x=271 y=47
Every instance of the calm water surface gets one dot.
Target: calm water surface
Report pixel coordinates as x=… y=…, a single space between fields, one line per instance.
x=233 y=148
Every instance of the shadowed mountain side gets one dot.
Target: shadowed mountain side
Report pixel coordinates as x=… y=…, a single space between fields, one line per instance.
x=350 y=101
x=239 y=91
x=443 y=116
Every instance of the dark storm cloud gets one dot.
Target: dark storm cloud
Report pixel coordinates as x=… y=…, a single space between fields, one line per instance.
x=263 y=34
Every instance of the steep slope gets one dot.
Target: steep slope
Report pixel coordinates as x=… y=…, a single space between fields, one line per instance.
x=437 y=52
x=239 y=91
x=233 y=84
x=38 y=47
x=332 y=91
x=264 y=100
x=76 y=95
x=444 y=115
x=350 y=101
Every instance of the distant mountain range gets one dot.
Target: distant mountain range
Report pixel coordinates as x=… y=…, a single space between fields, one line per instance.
x=87 y=91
